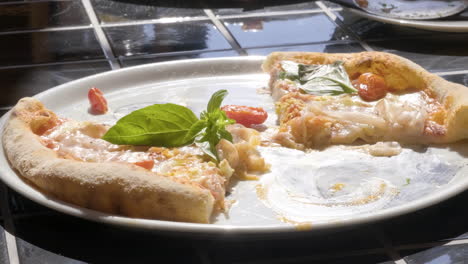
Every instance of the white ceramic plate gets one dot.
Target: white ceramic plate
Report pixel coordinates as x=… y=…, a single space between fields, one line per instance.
x=191 y=82
x=435 y=25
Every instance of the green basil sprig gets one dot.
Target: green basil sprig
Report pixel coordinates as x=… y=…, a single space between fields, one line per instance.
x=171 y=125
x=211 y=128
x=318 y=79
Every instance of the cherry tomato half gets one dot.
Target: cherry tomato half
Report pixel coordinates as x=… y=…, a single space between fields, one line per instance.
x=245 y=115
x=147 y=164
x=370 y=86
x=97 y=101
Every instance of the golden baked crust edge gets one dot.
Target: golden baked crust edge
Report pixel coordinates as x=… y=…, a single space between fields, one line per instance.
x=400 y=74
x=107 y=187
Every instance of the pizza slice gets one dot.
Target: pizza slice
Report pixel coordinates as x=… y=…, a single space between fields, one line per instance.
x=162 y=162
x=69 y=160
x=324 y=99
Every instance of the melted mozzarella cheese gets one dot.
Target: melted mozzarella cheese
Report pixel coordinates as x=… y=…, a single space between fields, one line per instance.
x=405 y=114
x=344 y=119
x=82 y=141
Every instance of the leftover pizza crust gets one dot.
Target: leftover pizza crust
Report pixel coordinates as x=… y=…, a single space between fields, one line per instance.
x=447 y=101
x=123 y=188
x=118 y=187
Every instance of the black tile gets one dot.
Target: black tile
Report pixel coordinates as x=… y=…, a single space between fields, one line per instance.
x=21 y=206
x=368 y=29
x=282 y=30
x=31 y=254
x=3 y=187
x=3 y=245
x=331 y=5
x=326 y=47
x=437 y=255
x=167 y=37
x=6 y=1
x=114 y=11
x=463 y=16
x=290 y=246
x=362 y=259
x=37 y=15
x=445 y=221
x=20 y=82
x=133 y=61
x=438 y=53
x=457 y=78
x=307 y=6
x=62 y=238
x=43 y=47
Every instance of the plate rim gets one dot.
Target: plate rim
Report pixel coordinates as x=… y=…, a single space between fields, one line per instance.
x=443 y=194
x=433 y=25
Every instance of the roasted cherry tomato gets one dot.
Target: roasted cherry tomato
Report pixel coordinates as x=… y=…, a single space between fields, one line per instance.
x=147 y=164
x=245 y=115
x=97 y=101
x=370 y=86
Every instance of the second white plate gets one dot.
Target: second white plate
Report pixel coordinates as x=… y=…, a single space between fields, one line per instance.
x=435 y=25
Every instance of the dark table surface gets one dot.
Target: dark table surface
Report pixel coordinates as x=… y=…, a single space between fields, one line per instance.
x=47 y=43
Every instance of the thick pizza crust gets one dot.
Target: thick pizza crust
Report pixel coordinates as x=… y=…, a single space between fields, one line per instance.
x=400 y=74
x=113 y=188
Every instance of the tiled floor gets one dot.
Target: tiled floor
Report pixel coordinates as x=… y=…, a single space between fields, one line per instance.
x=253 y=32
x=49 y=47
x=46 y=43
x=32 y=79
x=134 y=40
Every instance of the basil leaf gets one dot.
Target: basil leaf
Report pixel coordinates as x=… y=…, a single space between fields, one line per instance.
x=206 y=148
x=326 y=86
x=319 y=79
x=195 y=130
x=214 y=130
x=171 y=125
x=216 y=100
x=225 y=135
x=291 y=71
x=163 y=125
